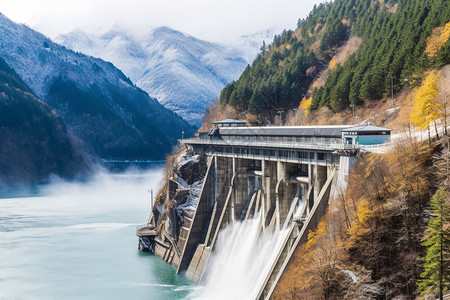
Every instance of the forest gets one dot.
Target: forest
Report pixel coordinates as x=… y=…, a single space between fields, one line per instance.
x=397 y=48
x=35 y=141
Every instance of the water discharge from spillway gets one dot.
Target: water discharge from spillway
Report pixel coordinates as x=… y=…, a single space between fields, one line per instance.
x=240 y=262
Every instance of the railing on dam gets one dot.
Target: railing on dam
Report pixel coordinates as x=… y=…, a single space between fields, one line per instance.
x=286 y=144
x=268 y=144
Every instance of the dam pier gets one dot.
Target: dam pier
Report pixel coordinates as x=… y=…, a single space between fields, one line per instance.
x=285 y=176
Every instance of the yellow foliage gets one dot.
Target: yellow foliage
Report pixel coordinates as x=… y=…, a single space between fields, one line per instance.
x=314 y=236
x=305 y=105
x=332 y=64
x=288 y=47
x=364 y=213
x=309 y=265
x=437 y=40
x=426 y=109
x=381 y=189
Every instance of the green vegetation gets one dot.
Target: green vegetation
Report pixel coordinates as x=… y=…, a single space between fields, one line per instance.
x=275 y=78
x=394 y=48
x=9 y=76
x=115 y=123
x=394 y=34
x=93 y=119
x=35 y=142
x=437 y=261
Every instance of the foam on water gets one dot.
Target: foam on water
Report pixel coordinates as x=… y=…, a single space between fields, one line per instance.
x=240 y=262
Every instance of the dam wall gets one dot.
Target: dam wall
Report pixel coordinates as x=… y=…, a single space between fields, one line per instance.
x=280 y=178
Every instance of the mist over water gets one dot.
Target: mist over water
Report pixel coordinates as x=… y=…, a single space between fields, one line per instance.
x=240 y=262
x=77 y=241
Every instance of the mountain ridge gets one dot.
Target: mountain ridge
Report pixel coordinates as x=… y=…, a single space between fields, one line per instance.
x=112 y=116
x=184 y=73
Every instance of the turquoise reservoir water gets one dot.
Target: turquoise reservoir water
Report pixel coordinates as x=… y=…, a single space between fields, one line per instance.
x=77 y=241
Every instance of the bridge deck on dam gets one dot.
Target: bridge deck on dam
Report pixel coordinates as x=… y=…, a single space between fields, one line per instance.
x=275 y=144
x=269 y=151
x=314 y=138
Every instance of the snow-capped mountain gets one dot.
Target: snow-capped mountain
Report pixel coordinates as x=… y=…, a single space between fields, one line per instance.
x=184 y=73
x=99 y=104
x=251 y=44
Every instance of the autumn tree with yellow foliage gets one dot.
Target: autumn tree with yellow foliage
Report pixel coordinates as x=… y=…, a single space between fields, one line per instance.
x=332 y=64
x=427 y=109
x=301 y=117
x=437 y=40
x=316 y=264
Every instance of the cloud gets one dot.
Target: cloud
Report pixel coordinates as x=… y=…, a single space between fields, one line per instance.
x=214 y=20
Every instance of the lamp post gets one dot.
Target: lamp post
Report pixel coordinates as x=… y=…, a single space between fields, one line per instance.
x=182 y=134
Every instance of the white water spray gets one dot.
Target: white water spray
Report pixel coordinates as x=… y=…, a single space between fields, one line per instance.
x=240 y=262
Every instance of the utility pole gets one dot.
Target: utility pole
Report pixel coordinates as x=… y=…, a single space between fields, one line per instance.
x=353 y=112
x=392 y=88
x=151 y=206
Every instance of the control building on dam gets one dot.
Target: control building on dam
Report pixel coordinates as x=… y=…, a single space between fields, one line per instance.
x=284 y=175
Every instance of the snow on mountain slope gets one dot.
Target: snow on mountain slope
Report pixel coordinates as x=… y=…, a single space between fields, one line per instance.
x=184 y=73
x=97 y=101
x=251 y=44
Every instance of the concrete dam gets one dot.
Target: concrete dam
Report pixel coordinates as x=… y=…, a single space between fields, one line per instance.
x=280 y=179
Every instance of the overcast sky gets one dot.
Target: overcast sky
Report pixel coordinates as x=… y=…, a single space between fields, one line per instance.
x=213 y=20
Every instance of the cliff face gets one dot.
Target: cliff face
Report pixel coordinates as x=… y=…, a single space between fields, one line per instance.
x=175 y=206
x=35 y=143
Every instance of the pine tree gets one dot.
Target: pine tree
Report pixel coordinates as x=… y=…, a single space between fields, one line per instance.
x=263 y=48
x=436 y=277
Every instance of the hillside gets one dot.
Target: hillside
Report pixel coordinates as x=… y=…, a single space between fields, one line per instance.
x=184 y=73
x=98 y=103
x=35 y=142
x=369 y=245
x=396 y=45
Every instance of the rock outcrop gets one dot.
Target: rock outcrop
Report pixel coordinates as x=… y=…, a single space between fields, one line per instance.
x=166 y=233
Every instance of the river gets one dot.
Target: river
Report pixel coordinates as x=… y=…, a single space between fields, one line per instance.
x=77 y=241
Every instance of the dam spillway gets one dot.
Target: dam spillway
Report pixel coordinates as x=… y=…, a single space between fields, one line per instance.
x=283 y=176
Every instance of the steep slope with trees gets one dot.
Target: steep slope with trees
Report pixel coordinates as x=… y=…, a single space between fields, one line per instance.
x=396 y=37
x=34 y=140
